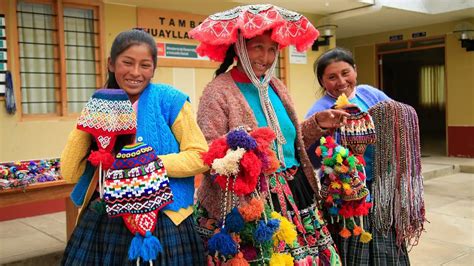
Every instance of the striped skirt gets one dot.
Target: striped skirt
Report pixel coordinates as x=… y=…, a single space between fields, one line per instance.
x=100 y=240
x=314 y=245
x=380 y=251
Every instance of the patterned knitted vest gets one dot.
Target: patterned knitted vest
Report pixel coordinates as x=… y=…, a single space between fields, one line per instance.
x=158 y=108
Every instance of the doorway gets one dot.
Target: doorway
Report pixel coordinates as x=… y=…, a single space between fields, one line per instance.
x=417 y=77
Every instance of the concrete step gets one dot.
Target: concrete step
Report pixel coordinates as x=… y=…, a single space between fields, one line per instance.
x=431 y=170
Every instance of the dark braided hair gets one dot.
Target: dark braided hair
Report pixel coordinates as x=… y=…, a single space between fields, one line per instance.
x=228 y=61
x=122 y=42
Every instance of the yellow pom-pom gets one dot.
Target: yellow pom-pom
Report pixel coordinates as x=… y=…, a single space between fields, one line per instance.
x=365 y=237
x=346 y=186
x=335 y=185
x=286 y=232
x=345 y=233
x=322 y=140
x=344 y=152
x=281 y=259
x=339 y=158
x=342 y=101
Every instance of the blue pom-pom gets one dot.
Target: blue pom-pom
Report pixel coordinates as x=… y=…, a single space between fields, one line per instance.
x=274 y=224
x=368 y=198
x=240 y=138
x=264 y=232
x=333 y=211
x=234 y=222
x=135 y=247
x=151 y=247
x=223 y=243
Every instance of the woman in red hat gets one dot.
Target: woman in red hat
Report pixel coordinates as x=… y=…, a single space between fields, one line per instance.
x=249 y=96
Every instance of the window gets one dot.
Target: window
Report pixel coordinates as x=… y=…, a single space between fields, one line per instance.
x=59 y=55
x=432 y=86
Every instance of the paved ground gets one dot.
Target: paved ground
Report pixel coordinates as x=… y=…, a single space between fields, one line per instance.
x=448 y=240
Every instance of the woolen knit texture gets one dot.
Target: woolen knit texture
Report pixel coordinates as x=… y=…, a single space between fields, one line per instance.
x=158 y=107
x=223 y=107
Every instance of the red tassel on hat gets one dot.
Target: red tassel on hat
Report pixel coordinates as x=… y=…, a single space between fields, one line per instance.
x=101 y=156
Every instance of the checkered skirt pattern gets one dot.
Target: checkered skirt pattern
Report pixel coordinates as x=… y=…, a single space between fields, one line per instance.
x=100 y=240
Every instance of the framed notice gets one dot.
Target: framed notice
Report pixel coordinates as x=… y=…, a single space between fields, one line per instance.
x=170 y=30
x=297 y=57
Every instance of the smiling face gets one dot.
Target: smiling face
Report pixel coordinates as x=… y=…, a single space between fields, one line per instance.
x=339 y=77
x=133 y=69
x=262 y=51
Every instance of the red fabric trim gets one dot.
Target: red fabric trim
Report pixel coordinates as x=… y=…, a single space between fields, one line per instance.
x=239 y=76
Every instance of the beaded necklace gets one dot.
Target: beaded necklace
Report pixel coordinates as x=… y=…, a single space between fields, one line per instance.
x=398 y=180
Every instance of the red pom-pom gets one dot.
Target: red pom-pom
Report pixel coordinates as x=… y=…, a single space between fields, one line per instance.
x=247 y=179
x=361 y=160
x=361 y=176
x=217 y=149
x=363 y=208
x=221 y=180
x=347 y=210
x=264 y=137
x=101 y=156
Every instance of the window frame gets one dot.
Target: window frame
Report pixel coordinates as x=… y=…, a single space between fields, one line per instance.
x=283 y=63
x=58 y=6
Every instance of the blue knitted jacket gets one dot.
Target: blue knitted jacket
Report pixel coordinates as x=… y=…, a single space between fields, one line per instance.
x=158 y=107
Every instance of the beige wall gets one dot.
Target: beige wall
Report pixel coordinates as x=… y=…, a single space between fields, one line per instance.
x=460 y=83
x=459 y=67
x=303 y=85
x=22 y=139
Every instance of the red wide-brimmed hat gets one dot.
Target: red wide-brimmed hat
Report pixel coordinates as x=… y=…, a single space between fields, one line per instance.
x=219 y=31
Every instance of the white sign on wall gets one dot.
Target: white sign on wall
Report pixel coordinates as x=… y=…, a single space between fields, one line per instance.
x=298 y=57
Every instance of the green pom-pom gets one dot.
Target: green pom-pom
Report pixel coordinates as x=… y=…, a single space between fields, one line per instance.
x=346 y=180
x=352 y=162
x=322 y=140
x=350 y=224
x=246 y=235
x=328 y=161
x=267 y=249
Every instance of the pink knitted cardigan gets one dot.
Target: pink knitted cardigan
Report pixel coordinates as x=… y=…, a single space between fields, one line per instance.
x=223 y=107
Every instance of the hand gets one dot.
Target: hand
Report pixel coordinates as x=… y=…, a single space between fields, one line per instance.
x=331 y=118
